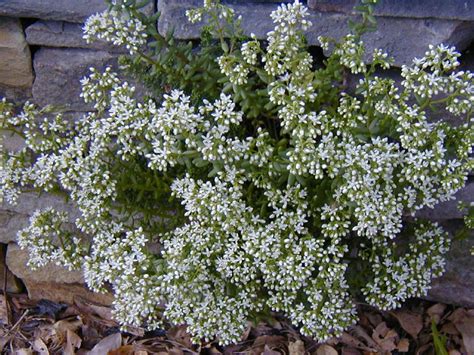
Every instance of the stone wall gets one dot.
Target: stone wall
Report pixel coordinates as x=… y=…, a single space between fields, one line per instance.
x=43 y=57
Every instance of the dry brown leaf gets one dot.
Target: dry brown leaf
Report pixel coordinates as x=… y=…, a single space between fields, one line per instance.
x=436 y=312
x=385 y=337
x=268 y=351
x=270 y=341
x=326 y=350
x=73 y=341
x=64 y=325
x=296 y=348
x=374 y=318
x=123 y=350
x=450 y=329
x=179 y=334
x=350 y=351
x=403 y=345
x=23 y=351
x=380 y=331
x=4 y=338
x=4 y=316
x=457 y=314
x=465 y=325
x=112 y=342
x=93 y=308
x=411 y=322
x=40 y=347
x=360 y=332
x=424 y=348
x=246 y=333
x=353 y=342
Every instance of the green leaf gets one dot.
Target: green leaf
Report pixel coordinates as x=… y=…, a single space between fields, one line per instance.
x=291 y=179
x=225 y=46
x=200 y=163
x=439 y=340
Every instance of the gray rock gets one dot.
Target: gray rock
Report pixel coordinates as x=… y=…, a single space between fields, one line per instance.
x=449 y=209
x=16 y=217
x=402 y=38
x=29 y=202
x=15 y=58
x=442 y=9
x=10 y=224
x=58 y=74
x=63 y=34
x=62 y=10
x=59 y=71
x=50 y=282
x=456 y=286
x=15 y=95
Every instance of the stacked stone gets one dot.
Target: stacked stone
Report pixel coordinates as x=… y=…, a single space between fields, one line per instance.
x=43 y=56
x=42 y=59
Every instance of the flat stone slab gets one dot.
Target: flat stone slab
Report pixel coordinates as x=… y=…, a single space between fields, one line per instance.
x=449 y=209
x=441 y=9
x=63 y=34
x=16 y=217
x=402 y=38
x=58 y=74
x=51 y=282
x=456 y=286
x=15 y=57
x=62 y=10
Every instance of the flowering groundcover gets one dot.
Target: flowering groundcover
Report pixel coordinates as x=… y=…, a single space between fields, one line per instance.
x=269 y=185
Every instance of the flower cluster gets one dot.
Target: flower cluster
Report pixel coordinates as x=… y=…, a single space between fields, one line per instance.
x=268 y=196
x=115 y=27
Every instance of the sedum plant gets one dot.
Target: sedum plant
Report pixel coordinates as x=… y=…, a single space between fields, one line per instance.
x=266 y=182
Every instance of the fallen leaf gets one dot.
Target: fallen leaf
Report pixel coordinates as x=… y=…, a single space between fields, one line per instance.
x=457 y=314
x=403 y=345
x=296 y=348
x=93 y=308
x=465 y=325
x=107 y=344
x=268 y=351
x=352 y=341
x=360 y=332
x=411 y=322
x=350 y=351
x=5 y=337
x=40 y=347
x=73 y=341
x=270 y=341
x=23 y=351
x=385 y=337
x=246 y=333
x=450 y=329
x=123 y=350
x=180 y=335
x=64 y=325
x=374 y=318
x=436 y=312
x=3 y=310
x=326 y=350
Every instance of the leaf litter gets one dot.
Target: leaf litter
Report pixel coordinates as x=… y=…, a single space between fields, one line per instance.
x=84 y=328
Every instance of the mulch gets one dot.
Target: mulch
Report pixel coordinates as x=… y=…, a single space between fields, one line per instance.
x=45 y=327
